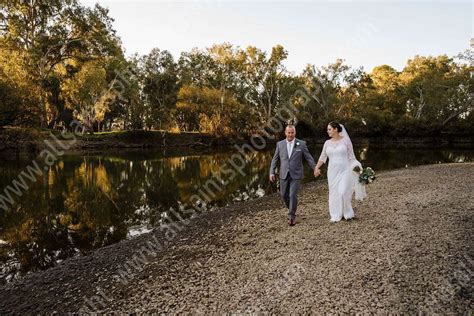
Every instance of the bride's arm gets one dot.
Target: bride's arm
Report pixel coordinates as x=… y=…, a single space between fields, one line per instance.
x=319 y=165
x=322 y=160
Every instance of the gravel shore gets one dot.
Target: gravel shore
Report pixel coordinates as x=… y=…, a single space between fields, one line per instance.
x=409 y=250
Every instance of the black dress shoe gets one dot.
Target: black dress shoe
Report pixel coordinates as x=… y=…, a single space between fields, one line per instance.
x=292 y=222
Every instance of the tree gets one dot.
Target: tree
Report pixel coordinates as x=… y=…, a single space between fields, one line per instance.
x=88 y=94
x=264 y=78
x=9 y=103
x=210 y=110
x=48 y=33
x=325 y=86
x=252 y=77
x=125 y=109
x=438 y=90
x=196 y=68
x=18 y=96
x=159 y=88
x=387 y=84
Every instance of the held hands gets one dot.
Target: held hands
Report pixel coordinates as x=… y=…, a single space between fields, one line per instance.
x=317 y=172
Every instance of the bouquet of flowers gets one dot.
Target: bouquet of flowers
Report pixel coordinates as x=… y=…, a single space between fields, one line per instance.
x=366 y=175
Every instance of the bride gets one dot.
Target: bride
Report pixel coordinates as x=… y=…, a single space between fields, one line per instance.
x=342 y=180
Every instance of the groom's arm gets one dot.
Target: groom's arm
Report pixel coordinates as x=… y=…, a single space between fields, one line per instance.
x=275 y=160
x=309 y=158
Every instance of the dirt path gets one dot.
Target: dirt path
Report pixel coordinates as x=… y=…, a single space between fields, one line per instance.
x=409 y=250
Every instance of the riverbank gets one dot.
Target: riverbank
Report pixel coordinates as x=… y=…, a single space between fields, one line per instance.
x=408 y=251
x=28 y=140
x=34 y=140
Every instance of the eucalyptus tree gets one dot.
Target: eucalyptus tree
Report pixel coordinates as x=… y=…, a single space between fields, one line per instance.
x=51 y=34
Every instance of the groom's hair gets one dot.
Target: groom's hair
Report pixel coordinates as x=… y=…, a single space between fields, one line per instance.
x=291 y=126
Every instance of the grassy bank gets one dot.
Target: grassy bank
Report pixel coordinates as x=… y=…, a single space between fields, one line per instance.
x=33 y=140
x=28 y=139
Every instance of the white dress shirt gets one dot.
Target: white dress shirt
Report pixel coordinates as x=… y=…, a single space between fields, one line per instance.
x=289 y=147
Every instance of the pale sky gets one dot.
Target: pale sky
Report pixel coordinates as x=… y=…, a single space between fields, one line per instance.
x=364 y=33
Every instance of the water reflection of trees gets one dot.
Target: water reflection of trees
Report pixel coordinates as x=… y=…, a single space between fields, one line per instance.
x=83 y=203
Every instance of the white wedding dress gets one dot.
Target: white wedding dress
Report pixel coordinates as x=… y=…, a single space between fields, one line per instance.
x=342 y=180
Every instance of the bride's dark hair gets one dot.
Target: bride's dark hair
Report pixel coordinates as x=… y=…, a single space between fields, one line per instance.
x=336 y=125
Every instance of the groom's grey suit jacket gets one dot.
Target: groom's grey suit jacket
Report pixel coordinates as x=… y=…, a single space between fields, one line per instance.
x=294 y=164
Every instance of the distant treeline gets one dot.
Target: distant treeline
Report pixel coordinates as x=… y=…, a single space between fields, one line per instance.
x=61 y=61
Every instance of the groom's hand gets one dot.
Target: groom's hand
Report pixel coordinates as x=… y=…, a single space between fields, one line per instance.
x=317 y=172
x=272 y=177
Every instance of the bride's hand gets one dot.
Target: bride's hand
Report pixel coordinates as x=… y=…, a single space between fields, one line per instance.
x=317 y=172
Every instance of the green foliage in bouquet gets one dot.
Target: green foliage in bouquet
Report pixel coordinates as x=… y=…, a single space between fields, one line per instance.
x=366 y=175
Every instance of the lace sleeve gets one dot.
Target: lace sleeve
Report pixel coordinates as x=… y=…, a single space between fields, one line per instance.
x=323 y=157
x=350 y=149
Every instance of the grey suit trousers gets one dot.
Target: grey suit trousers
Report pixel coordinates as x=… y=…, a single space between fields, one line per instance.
x=289 y=190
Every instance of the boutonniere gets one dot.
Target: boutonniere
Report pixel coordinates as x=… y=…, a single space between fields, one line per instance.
x=297 y=143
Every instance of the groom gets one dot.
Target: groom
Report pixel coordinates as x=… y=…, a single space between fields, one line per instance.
x=290 y=153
